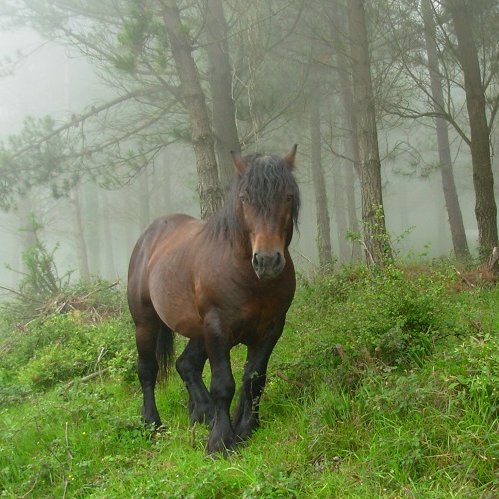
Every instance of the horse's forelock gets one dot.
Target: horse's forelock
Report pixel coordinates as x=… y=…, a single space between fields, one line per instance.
x=266 y=180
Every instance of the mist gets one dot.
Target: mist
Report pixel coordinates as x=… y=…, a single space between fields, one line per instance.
x=87 y=180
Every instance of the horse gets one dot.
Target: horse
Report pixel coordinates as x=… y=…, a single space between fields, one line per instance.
x=226 y=281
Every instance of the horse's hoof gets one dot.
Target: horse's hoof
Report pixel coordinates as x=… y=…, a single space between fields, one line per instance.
x=221 y=447
x=244 y=430
x=151 y=422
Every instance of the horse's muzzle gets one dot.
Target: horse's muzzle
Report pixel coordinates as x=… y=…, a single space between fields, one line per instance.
x=268 y=265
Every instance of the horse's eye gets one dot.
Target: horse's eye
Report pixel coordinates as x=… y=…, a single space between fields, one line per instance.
x=243 y=197
x=289 y=198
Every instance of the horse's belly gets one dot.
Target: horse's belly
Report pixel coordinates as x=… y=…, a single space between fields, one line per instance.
x=177 y=310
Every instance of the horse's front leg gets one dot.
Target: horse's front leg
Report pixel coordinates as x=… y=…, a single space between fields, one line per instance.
x=246 y=418
x=222 y=385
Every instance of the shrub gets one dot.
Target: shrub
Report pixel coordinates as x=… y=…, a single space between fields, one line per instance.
x=66 y=346
x=356 y=321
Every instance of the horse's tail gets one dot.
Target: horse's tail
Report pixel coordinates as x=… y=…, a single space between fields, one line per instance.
x=165 y=351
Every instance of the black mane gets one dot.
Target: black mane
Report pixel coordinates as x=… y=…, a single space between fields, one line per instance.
x=267 y=180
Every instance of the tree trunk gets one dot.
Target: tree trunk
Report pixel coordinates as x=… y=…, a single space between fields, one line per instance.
x=318 y=180
x=483 y=179
x=220 y=78
x=377 y=245
x=165 y=199
x=110 y=268
x=340 y=209
x=79 y=235
x=352 y=152
x=350 y=139
x=144 y=200
x=93 y=222
x=195 y=104
x=458 y=234
x=27 y=227
x=353 y=220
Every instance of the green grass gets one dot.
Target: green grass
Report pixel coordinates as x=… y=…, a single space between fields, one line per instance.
x=409 y=408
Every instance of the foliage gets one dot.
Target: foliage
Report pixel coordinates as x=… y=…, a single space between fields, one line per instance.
x=419 y=418
x=389 y=316
x=35 y=156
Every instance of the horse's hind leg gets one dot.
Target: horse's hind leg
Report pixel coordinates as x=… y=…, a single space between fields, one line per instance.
x=147 y=366
x=190 y=366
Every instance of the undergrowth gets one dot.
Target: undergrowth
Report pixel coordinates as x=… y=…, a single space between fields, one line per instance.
x=383 y=385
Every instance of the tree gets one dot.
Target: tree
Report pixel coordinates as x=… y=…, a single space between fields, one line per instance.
x=483 y=179
x=456 y=224
x=377 y=245
x=194 y=101
x=79 y=234
x=451 y=62
x=220 y=79
x=162 y=96
x=318 y=179
x=338 y=25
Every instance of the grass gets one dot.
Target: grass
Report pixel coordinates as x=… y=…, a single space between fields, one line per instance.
x=382 y=386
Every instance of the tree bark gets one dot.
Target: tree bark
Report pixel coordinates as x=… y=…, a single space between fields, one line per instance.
x=318 y=180
x=220 y=78
x=377 y=245
x=458 y=234
x=195 y=104
x=483 y=179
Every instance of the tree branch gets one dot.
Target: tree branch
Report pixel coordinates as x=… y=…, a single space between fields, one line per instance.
x=82 y=117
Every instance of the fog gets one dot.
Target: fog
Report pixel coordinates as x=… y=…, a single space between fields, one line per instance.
x=41 y=77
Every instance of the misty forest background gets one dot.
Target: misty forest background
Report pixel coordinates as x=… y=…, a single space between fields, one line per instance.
x=113 y=113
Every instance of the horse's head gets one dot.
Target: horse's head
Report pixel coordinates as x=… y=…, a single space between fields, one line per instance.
x=269 y=201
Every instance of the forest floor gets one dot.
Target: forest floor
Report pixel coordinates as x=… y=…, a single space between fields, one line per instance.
x=383 y=385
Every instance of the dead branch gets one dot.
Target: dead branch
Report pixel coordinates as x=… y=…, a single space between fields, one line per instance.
x=464 y=279
x=281 y=375
x=87 y=378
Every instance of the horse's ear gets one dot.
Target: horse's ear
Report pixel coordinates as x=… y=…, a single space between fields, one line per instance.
x=239 y=162
x=290 y=157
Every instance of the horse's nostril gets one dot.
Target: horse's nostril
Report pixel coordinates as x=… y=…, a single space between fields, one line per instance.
x=257 y=260
x=277 y=259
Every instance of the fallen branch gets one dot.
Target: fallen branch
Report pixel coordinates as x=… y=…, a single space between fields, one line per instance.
x=464 y=279
x=87 y=378
x=281 y=375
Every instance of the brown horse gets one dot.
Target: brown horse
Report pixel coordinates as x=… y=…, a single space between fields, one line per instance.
x=222 y=282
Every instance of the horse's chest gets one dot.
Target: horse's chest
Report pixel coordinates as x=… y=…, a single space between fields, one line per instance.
x=257 y=317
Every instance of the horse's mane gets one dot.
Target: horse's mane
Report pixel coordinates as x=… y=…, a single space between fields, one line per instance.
x=266 y=181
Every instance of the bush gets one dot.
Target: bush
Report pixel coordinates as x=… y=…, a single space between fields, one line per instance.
x=357 y=321
x=66 y=346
